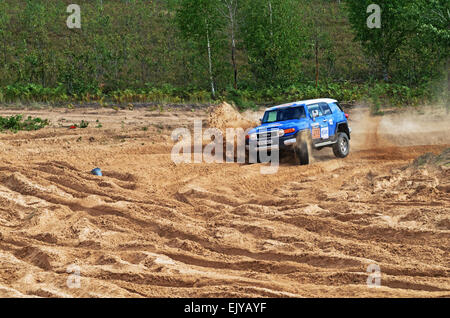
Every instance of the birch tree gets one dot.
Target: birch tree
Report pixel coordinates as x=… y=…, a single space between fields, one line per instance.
x=229 y=12
x=273 y=37
x=200 y=21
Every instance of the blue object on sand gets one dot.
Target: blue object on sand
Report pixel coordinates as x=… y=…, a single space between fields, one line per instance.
x=97 y=172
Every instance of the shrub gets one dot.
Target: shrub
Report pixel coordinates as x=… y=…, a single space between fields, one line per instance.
x=16 y=123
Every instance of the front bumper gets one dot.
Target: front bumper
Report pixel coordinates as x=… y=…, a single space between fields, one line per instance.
x=284 y=143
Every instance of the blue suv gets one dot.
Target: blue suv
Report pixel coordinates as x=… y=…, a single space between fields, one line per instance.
x=301 y=126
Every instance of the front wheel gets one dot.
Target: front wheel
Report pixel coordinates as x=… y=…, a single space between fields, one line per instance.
x=341 y=148
x=256 y=157
x=302 y=149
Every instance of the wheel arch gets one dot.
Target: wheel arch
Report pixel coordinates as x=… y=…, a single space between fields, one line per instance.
x=343 y=127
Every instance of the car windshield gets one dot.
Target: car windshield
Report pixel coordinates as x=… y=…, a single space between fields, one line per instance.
x=284 y=114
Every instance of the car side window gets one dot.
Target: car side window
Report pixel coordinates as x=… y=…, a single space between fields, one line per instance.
x=314 y=108
x=336 y=106
x=325 y=109
x=296 y=113
x=300 y=112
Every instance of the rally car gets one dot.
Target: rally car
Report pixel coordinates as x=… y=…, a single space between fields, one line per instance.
x=300 y=127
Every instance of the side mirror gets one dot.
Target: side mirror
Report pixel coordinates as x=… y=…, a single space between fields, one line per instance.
x=315 y=113
x=260 y=120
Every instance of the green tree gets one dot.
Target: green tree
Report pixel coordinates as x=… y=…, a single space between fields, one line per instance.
x=272 y=33
x=435 y=20
x=228 y=9
x=34 y=21
x=435 y=26
x=5 y=34
x=399 y=21
x=201 y=22
x=316 y=17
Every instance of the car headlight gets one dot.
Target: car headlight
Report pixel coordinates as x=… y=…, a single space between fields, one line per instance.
x=253 y=137
x=280 y=133
x=288 y=131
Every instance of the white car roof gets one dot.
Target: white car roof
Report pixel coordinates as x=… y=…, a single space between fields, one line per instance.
x=305 y=102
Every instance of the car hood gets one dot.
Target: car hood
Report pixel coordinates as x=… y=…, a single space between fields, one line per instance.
x=294 y=123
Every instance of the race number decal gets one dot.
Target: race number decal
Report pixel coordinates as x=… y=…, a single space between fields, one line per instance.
x=316 y=133
x=324 y=133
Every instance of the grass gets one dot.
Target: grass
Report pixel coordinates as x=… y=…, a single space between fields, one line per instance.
x=442 y=159
x=84 y=124
x=379 y=92
x=17 y=123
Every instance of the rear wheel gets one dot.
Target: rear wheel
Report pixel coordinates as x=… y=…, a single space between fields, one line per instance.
x=302 y=149
x=341 y=148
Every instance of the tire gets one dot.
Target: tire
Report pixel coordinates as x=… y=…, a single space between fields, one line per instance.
x=247 y=157
x=269 y=153
x=341 y=148
x=302 y=150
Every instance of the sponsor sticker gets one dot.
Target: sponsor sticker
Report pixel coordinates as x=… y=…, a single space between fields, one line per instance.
x=324 y=133
x=316 y=133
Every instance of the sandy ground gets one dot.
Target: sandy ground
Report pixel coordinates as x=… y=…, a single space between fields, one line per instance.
x=150 y=228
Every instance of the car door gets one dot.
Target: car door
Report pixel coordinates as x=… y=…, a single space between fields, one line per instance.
x=328 y=119
x=319 y=124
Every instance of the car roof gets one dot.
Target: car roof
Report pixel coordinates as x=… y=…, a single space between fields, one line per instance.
x=304 y=102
